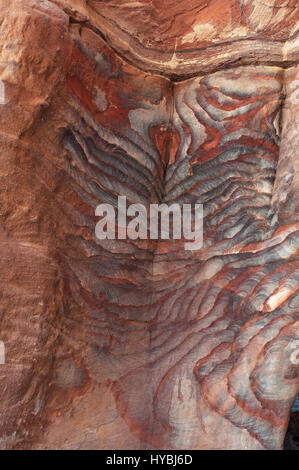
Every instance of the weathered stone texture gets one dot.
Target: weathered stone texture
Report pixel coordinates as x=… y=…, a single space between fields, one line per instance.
x=140 y=344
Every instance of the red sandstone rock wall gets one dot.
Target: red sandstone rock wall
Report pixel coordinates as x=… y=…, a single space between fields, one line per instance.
x=142 y=344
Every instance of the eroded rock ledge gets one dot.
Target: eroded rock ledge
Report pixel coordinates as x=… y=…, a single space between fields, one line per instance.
x=183 y=39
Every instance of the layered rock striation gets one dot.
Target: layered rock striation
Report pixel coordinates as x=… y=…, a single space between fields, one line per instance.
x=140 y=342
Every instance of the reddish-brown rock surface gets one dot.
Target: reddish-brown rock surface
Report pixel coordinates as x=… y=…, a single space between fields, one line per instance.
x=141 y=344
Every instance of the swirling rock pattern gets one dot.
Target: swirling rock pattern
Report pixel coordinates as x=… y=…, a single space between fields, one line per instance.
x=140 y=344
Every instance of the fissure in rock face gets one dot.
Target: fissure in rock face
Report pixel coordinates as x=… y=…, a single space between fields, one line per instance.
x=141 y=342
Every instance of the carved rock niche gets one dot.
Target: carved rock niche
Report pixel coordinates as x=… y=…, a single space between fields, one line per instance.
x=139 y=343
